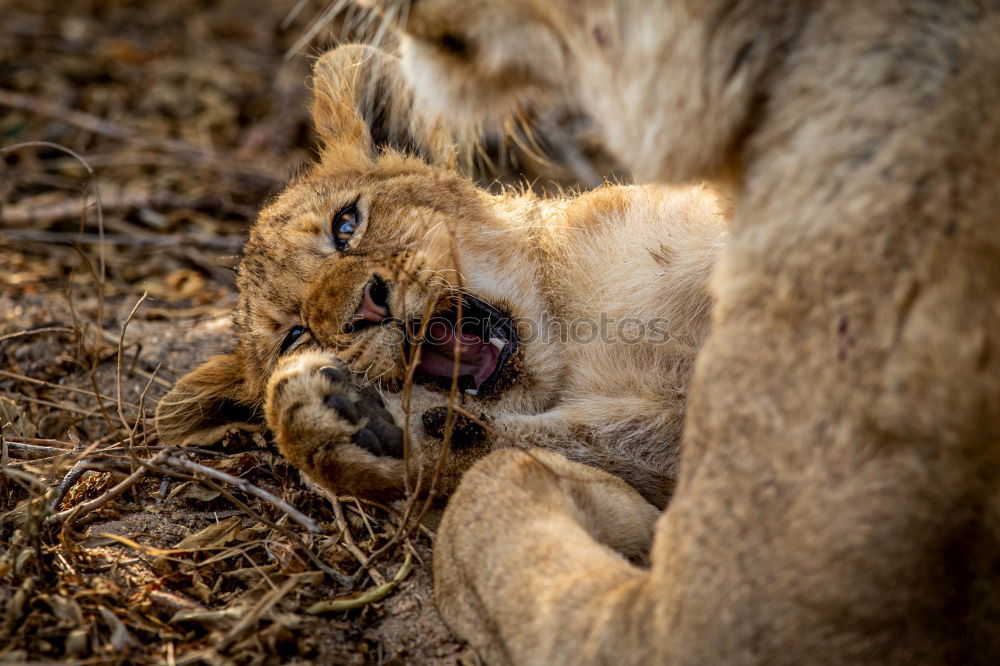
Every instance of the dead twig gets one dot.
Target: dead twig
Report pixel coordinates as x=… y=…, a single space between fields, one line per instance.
x=59 y=444
x=141 y=418
x=30 y=212
x=346 y=581
x=245 y=486
x=389 y=510
x=113 y=339
x=35 y=331
x=250 y=620
x=367 y=597
x=231 y=244
x=118 y=371
x=405 y=528
x=25 y=480
x=86 y=507
x=81 y=467
x=49 y=403
x=57 y=387
x=364 y=518
x=352 y=547
x=33 y=451
x=99 y=275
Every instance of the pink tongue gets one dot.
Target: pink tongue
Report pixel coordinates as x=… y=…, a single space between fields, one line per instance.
x=476 y=358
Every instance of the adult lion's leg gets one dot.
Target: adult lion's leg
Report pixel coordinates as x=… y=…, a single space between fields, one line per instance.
x=532 y=562
x=838 y=495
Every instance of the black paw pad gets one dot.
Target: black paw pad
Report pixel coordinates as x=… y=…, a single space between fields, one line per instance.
x=344 y=407
x=380 y=435
x=465 y=431
x=369 y=441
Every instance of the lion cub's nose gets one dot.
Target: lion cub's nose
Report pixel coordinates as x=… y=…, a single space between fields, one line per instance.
x=374 y=307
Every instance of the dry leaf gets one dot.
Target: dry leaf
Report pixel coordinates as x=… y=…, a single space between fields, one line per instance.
x=217 y=534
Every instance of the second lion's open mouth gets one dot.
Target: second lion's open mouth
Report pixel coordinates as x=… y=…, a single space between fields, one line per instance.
x=484 y=340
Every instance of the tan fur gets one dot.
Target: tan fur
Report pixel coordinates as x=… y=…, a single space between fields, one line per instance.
x=619 y=253
x=838 y=500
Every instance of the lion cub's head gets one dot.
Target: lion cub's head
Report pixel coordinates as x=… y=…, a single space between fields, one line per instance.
x=379 y=251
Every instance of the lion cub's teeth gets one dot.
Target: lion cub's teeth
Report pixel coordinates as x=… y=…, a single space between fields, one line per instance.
x=472 y=391
x=498 y=343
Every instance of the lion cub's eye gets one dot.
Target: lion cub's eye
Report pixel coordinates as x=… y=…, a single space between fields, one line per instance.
x=294 y=335
x=345 y=223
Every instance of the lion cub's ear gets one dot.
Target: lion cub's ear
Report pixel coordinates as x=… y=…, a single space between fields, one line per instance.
x=363 y=106
x=204 y=403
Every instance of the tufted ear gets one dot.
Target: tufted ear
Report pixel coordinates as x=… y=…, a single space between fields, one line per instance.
x=363 y=106
x=205 y=403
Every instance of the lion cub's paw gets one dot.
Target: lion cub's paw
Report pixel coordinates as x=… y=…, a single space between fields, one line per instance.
x=378 y=432
x=313 y=402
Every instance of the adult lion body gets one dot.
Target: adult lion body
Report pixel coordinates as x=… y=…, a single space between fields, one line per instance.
x=839 y=498
x=576 y=334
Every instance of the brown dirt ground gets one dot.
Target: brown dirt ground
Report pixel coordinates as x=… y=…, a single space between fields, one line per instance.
x=189 y=114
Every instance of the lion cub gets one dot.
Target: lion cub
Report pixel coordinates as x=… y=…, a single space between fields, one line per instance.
x=382 y=284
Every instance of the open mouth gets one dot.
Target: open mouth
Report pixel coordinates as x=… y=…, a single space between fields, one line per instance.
x=484 y=341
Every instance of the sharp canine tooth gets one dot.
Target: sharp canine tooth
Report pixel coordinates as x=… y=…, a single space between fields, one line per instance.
x=498 y=343
x=472 y=391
